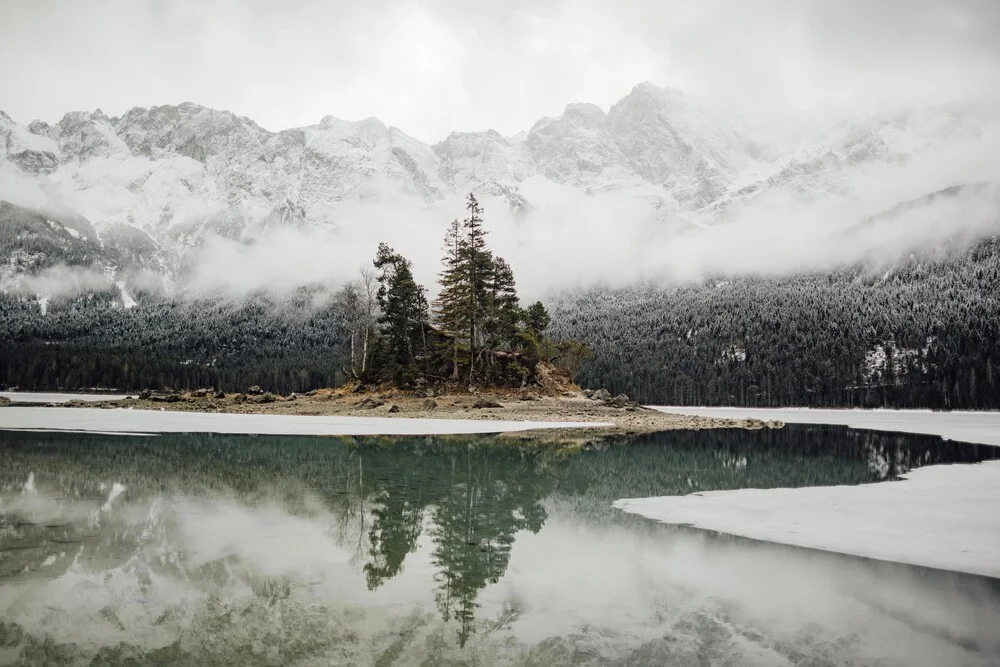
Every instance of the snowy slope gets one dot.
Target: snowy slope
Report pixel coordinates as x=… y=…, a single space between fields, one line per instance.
x=578 y=148
x=33 y=153
x=177 y=173
x=851 y=157
x=670 y=141
x=485 y=163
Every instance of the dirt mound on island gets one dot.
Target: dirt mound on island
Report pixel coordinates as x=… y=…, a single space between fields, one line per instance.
x=547 y=380
x=554 y=381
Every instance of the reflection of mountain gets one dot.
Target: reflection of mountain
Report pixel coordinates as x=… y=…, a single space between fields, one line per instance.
x=452 y=505
x=473 y=494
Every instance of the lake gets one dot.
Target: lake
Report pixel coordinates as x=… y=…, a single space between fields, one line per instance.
x=208 y=549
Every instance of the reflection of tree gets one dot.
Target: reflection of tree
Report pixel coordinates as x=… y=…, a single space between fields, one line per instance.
x=681 y=462
x=475 y=496
x=393 y=534
x=355 y=508
x=474 y=527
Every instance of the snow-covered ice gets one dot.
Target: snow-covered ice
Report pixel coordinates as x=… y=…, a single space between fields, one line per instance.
x=940 y=516
x=976 y=427
x=50 y=397
x=153 y=421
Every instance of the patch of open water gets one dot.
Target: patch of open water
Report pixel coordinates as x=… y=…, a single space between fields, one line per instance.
x=299 y=550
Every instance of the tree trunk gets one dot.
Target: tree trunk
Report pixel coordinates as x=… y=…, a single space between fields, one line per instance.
x=364 y=349
x=423 y=336
x=472 y=350
x=354 y=366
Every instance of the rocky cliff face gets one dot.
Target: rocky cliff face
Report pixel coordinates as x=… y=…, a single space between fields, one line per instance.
x=169 y=175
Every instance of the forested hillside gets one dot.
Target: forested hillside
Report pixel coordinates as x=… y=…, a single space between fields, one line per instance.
x=923 y=332
x=92 y=341
x=378 y=329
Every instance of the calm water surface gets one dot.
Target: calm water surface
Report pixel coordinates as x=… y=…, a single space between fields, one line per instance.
x=242 y=550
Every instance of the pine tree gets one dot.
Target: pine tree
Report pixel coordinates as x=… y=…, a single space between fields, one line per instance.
x=404 y=308
x=537 y=318
x=477 y=266
x=504 y=307
x=448 y=307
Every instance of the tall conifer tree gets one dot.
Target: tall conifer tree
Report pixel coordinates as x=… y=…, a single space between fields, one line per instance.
x=505 y=311
x=477 y=265
x=403 y=305
x=448 y=308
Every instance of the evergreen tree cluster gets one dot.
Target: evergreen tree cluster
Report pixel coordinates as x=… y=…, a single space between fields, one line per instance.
x=475 y=331
x=924 y=332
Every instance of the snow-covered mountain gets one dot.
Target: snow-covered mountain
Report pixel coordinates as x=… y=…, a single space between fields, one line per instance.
x=155 y=181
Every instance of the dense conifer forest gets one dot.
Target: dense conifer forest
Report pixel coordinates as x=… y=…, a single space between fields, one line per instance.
x=922 y=332
x=91 y=341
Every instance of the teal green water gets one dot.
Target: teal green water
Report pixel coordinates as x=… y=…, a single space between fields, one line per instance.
x=215 y=549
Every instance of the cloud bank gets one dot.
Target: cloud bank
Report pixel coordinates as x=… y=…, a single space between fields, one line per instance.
x=432 y=66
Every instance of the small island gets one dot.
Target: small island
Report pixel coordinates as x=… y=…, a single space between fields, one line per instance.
x=472 y=353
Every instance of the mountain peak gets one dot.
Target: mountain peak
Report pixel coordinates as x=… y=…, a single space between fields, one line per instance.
x=187 y=164
x=585 y=112
x=649 y=88
x=372 y=124
x=76 y=117
x=467 y=135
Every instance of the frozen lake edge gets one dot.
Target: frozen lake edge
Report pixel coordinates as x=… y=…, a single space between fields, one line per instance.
x=939 y=516
x=936 y=518
x=166 y=421
x=982 y=428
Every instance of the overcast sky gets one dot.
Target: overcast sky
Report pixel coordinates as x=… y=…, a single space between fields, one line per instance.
x=433 y=66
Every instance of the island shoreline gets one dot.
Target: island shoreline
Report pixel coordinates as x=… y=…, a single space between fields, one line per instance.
x=612 y=418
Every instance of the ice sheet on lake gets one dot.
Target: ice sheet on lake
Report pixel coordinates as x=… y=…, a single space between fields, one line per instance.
x=46 y=397
x=940 y=516
x=975 y=427
x=153 y=421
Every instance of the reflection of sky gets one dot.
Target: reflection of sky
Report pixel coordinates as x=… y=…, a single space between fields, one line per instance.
x=217 y=571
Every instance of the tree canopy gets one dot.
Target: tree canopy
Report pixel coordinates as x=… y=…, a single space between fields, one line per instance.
x=477 y=331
